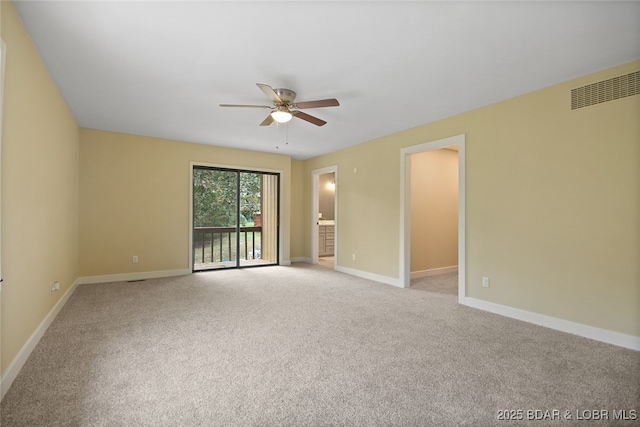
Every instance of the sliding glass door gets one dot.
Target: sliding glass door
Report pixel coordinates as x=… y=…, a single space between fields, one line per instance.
x=235 y=218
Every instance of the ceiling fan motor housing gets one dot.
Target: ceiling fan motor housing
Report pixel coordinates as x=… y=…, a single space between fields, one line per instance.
x=286 y=95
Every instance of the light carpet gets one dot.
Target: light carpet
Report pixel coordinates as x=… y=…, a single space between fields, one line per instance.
x=442 y=283
x=304 y=346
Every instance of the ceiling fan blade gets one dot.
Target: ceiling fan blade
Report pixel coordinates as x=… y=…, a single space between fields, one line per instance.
x=317 y=104
x=245 y=106
x=304 y=116
x=267 y=121
x=268 y=90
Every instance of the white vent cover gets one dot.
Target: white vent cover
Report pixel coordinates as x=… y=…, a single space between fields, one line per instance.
x=606 y=90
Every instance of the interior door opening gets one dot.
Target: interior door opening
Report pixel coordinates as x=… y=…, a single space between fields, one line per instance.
x=457 y=142
x=434 y=220
x=235 y=218
x=324 y=217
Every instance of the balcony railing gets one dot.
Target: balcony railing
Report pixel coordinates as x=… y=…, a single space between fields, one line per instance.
x=219 y=244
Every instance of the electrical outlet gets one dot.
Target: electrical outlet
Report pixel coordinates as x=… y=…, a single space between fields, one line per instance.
x=485 y=282
x=353 y=257
x=135 y=259
x=54 y=287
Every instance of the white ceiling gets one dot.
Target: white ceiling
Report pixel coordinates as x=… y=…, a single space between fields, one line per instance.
x=160 y=68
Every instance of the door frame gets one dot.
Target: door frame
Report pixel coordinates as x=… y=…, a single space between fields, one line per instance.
x=192 y=164
x=315 y=206
x=3 y=57
x=405 y=209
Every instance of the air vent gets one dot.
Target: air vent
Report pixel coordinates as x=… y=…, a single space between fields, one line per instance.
x=606 y=90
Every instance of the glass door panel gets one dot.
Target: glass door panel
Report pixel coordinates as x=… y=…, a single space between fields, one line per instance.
x=215 y=219
x=250 y=244
x=235 y=218
x=269 y=210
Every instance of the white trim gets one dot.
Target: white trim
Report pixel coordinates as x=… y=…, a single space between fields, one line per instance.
x=315 y=196
x=301 y=259
x=462 y=220
x=371 y=276
x=236 y=167
x=598 y=334
x=191 y=165
x=3 y=56
x=285 y=262
x=405 y=209
x=280 y=173
x=20 y=359
x=434 y=272
x=107 y=278
x=315 y=206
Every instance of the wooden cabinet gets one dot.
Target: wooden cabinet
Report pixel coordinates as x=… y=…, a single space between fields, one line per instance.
x=322 y=240
x=330 y=239
x=326 y=240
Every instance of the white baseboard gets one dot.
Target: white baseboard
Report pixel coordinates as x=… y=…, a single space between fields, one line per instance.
x=132 y=276
x=371 y=276
x=285 y=262
x=434 y=272
x=21 y=358
x=598 y=334
x=359 y=273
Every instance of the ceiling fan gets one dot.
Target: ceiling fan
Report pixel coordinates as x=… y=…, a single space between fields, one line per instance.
x=284 y=108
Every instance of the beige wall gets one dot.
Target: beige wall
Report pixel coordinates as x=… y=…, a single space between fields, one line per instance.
x=552 y=203
x=434 y=210
x=368 y=203
x=298 y=221
x=40 y=155
x=134 y=195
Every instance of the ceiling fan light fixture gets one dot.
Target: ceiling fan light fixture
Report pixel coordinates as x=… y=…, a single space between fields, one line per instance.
x=281 y=114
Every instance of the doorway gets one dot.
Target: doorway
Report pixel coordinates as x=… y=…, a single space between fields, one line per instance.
x=235 y=218
x=434 y=220
x=457 y=143
x=324 y=217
